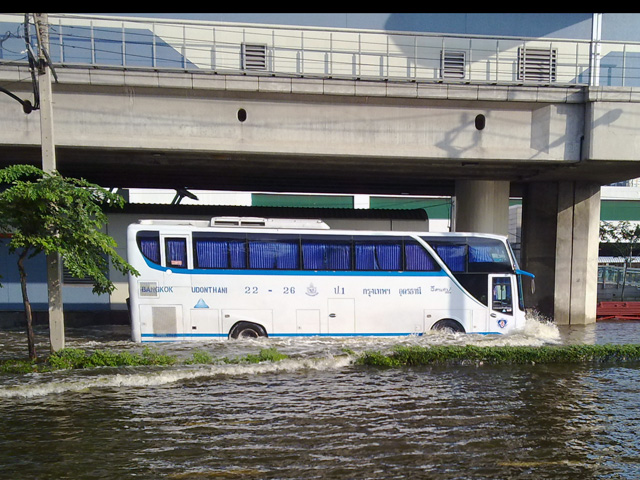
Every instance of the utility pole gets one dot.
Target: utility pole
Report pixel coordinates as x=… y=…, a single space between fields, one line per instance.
x=54 y=264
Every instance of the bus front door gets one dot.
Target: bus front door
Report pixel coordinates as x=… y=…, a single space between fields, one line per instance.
x=501 y=303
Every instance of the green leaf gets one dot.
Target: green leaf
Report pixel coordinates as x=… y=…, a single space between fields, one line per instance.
x=48 y=213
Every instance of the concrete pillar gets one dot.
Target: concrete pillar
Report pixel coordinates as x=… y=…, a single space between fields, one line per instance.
x=560 y=246
x=538 y=243
x=577 y=253
x=482 y=206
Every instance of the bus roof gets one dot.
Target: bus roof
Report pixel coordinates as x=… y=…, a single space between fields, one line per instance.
x=294 y=224
x=255 y=222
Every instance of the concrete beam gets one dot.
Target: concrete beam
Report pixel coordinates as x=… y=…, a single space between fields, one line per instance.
x=285 y=124
x=162 y=128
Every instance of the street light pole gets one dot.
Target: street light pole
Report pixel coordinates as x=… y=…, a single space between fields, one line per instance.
x=54 y=264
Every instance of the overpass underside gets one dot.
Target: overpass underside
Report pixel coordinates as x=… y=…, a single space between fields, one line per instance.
x=119 y=168
x=237 y=171
x=126 y=129
x=554 y=146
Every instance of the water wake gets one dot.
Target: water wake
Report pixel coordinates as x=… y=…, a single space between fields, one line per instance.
x=304 y=354
x=159 y=377
x=537 y=331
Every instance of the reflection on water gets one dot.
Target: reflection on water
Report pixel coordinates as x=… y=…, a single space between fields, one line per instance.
x=601 y=333
x=316 y=415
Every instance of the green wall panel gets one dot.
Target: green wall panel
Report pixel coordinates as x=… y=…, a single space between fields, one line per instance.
x=619 y=210
x=435 y=207
x=317 y=201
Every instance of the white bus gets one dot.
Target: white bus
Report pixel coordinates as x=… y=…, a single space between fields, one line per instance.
x=249 y=277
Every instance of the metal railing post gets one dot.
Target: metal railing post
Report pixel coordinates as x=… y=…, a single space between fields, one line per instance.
x=624 y=64
x=61 y=40
x=154 y=51
x=124 y=46
x=594 y=61
x=184 y=47
x=93 y=45
x=302 y=53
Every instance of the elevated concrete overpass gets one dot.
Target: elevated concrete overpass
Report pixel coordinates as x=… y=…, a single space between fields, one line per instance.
x=198 y=130
x=552 y=142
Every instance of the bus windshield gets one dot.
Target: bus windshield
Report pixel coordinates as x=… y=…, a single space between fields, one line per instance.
x=472 y=254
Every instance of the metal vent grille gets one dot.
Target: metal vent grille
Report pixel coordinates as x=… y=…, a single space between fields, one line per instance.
x=164 y=320
x=537 y=64
x=452 y=64
x=254 y=57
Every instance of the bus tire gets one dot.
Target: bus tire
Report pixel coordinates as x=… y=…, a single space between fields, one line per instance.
x=247 y=330
x=448 y=325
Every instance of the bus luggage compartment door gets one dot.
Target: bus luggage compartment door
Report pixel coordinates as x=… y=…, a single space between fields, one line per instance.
x=342 y=315
x=204 y=322
x=308 y=322
x=161 y=320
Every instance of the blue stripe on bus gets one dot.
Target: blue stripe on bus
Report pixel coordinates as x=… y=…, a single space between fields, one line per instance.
x=218 y=335
x=174 y=335
x=315 y=273
x=159 y=336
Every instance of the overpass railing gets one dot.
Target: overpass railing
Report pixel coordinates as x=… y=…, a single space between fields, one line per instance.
x=135 y=43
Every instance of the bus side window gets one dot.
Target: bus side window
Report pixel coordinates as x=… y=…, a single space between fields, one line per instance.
x=279 y=255
x=219 y=253
x=326 y=254
x=454 y=256
x=149 y=245
x=378 y=255
x=176 y=252
x=417 y=259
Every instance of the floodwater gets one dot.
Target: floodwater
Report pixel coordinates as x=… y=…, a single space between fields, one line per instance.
x=318 y=416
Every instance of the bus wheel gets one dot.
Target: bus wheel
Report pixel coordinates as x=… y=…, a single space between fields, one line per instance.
x=247 y=330
x=448 y=325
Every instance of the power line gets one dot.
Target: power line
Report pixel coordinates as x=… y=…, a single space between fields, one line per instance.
x=27 y=106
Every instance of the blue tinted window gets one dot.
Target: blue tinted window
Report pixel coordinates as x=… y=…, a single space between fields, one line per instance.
x=454 y=256
x=326 y=254
x=418 y=259
x=220 y=253
x=149 y=244
x=176 y=252
x=378 y=255
x=274 y=255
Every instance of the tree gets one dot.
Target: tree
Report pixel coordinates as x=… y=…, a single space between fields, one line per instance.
x=622 y=238
x=48 y=213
